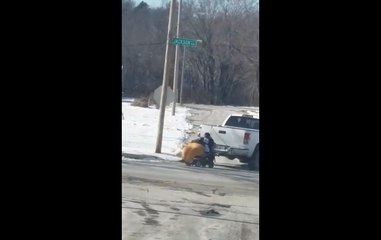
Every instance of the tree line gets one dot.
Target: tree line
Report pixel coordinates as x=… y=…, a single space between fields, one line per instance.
x=223 y=69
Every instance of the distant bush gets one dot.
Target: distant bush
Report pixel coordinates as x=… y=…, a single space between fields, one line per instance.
x=140 y=102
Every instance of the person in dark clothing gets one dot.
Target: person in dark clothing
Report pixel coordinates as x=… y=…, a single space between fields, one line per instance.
x=208 y=143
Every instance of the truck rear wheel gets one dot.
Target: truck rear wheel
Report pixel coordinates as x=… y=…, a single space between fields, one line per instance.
x=254 y=161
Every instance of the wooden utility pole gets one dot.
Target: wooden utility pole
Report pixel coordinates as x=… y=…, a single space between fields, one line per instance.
x=175 y=78
x=164 y=85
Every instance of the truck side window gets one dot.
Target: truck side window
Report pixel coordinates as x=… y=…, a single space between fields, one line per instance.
x=243 y=122
x=255 y=124
x=229 y=122
x=248 y=123
x=233 y=122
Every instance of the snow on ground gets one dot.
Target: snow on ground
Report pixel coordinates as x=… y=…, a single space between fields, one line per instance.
x=140 y=127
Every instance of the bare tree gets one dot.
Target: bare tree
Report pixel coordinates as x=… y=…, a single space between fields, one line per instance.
x=223 y=69
x=227 y=60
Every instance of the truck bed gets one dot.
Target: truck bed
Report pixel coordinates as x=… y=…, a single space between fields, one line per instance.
x=231 y=139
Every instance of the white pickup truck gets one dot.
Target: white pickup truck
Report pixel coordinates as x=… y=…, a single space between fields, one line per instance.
x=237 y=137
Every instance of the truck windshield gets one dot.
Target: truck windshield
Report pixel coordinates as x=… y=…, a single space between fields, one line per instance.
x=243 y=122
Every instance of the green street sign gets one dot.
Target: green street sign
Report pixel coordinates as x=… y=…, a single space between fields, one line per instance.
x=184 y=42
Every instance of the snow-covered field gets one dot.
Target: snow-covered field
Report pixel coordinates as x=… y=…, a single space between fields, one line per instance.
x=140 y=127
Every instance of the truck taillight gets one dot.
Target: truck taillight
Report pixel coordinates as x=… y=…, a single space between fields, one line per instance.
x=246 y=138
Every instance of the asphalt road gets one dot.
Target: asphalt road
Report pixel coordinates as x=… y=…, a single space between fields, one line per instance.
x=168 y=200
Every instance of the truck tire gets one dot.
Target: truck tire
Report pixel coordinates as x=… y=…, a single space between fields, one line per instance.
x=254 y=161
